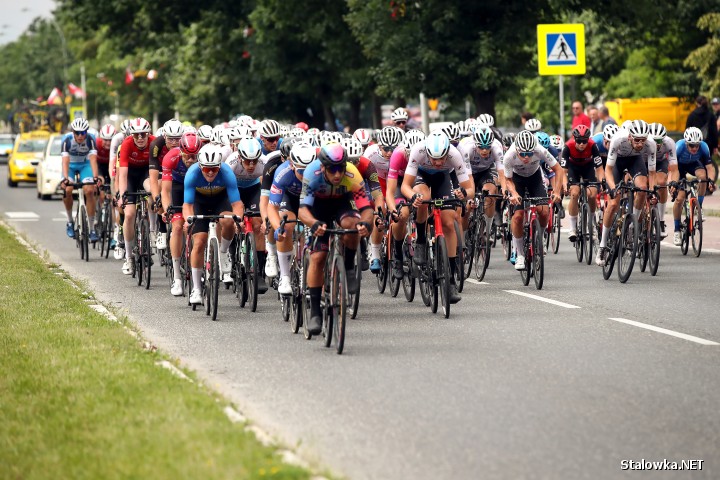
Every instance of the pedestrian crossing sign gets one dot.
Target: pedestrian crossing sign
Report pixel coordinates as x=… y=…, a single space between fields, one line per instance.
x=561 y=49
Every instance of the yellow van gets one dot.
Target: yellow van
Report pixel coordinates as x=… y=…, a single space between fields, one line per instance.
x=672 y=112
x=25 y=157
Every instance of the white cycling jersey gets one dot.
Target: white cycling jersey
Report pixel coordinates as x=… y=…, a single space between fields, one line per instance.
x=226 y=152
x=420 y=161
x=382 y=164
x=525 y=167
x=115 y=143
x=475 y=162
x=667 y=150
x=244 y=178
x=621 y=146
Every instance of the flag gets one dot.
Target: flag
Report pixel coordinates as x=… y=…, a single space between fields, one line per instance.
x=55 y=97
x=76 y=91
x=152 y=75
x=129 y=77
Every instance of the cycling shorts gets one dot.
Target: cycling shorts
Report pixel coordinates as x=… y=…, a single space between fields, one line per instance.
x=685 y=168
x=634 y=164
x=576 y=173
x=532 y=186
x=250 y=197
x=83 y=169
x=488 y=175
x=327 y=212
x=209 y=205
x=135 y=179
x=439 y=183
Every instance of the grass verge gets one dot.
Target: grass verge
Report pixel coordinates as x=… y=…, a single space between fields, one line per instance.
x=80 y=399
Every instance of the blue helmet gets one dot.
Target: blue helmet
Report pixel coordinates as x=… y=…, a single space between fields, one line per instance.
x=543 y=139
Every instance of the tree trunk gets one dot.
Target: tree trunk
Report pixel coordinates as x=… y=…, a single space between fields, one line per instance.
x=329 y=116
x=354 y=120
x=484 y=102
x=376 y=112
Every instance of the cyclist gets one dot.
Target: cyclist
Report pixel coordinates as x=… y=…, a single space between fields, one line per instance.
x=341 y=191
x=204 y=134
x=580 y=158
x=117 y=140
x=133 y=176
x=79 y=158
x=693 y=156
x=170 y=138
x=247 y=164
x=174 y=167
x=285 y=200
x=399 y=117
x=629 y=150
x=105 y=136
x=272 y=161
x=210 y=189
x=269 y=136
x=667 y=164
x=364 y=136
x=603 y=139
x=523 y=178
x=428 y=176
x=394 y=197
x=533 y=125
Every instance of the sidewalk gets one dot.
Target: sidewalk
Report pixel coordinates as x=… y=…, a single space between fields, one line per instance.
x=711 y=227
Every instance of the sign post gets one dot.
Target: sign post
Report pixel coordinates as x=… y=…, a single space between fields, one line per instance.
x=561 y=51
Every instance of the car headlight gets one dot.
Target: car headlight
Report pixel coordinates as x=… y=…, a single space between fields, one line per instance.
x=21 y=163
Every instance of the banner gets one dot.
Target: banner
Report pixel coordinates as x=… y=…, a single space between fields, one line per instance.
x=55 y=97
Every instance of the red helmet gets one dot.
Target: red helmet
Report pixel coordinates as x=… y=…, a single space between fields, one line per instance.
x=581 y=131
x=190 y=143
x=302 y=125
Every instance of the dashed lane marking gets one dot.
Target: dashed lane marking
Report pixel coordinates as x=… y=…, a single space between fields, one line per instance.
x=542 y=299
x=472 y=280
x=673 y=333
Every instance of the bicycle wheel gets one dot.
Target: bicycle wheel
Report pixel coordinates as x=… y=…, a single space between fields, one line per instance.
x=525 y=273
x=697 y=227
x=296 y=308
x=612 y=245
x=305 y=294
x=555 y=237
x=469 y=244
x=425 y=281
x=145 y=251
x=627 y=249
x=102 y=226
x=589 y=235
x=136 y=254
x=382 y=276
x=338 y=303
x=482 y=250
x=580 y=239
x=394 y=282
x=213 y=280
x=433 y=278
x=655 y=231
x=643 y=240
x=252 y=271
x=443 y=275
x=506 y=236
x=185 y=270
x=408 y=280
x=84 y=240
x=354 y=298
x=459 y=258
x=538 y=256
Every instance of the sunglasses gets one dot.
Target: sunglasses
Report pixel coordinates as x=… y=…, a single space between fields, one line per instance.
x=639 y=140
x=210 y=169
x=400 y=122
x=693 y=145
x=255 y=161
x=81 y=134
x=172 y=139
x=333 y=169
x=484 y=147
x=140 y=135
x=387 y=149
x=581 y=141
x=526 y=154
x=272 y=139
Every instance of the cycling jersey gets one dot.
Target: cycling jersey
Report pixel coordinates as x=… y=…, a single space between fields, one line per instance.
x=572 y=156
x=398 y=163
x=224 y=183
x=265 y=151
x=272 y=161
x=667 y=151
x=420 y=162
x=316 y=186
x=244 y=177
x=114 y=151
x=476 y=162
x=685 y=157
x=78 y=152
x=158 y=150
x=373 y=184
x=173 y=167
x=515 y=164
x=131 y=156
x=103 y=151
x=621 y=147
x=284 y=183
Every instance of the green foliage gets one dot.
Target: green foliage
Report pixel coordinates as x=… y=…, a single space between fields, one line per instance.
x=706 y=58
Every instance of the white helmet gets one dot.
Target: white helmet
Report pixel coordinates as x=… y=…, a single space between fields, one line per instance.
x=693 y=135
x=525 y=141
x=269 y=129
x=451 y=131
x=626 y=124
x=220 y=137
x=243 y=119
x=107 y=132
x=297 y=132
x=390 y=137
x=412 y=137
x=353 y=148
x=399 y=115
x=657 y=131
x=487 y=119
x=254 y=126
x=173 y=128
x=639 y=129
x=302 y=154
x=437 y=144
x=556 y=141
x=311 y=138
x=205 y=132
x=330 y=137
x=363 y=135
x=236 y=133
x=139 y=125
x=79 y=125
x=533 y=125
x=249 y=149
x=210 y=156
x=232 y=124
x=124 y=126
x=189 y=129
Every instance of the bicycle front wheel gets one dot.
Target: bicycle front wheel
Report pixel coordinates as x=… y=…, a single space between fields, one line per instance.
x=482 y=250
x=442 y=263
x=355 y=297
x=655 y=231
x=469 y=244
x=538 y=256
x=252 y=271
x=556 y=229
x=84 y=249
x=459 y=258
x=145 y=251
x=390 y=252
x=305 y=294
x=296 y=302
x=643 y=240
x=408 y=280
x=580 y=239
x=685 y=229
x=589 y=234
x=213 y=277
x=338 y=303
x=525 y=272
x=627 y=250
x=697 y=228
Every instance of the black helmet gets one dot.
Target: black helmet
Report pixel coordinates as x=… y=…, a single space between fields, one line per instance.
x=286 y=146
x=508 y=139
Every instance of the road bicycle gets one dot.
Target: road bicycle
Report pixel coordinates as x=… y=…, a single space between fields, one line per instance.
x=691 y=224
x=478 y=243
x=649 y=231
x=291 y=305
x=105 y=221
x=622 y=239
x=533 y=236
x=552 y=231
x=165 y=254
x=246 y=266
x=585 y=232
x=80 y=219
x=143 y=251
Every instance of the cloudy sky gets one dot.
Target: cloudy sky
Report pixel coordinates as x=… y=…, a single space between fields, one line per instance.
x=16 y=15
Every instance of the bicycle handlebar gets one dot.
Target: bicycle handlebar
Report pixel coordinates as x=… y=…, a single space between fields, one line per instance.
x=191 y=219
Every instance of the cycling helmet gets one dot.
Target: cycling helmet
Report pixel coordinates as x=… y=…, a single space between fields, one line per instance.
x=639 y=129
x=363 y=136
x=302 y=154
x=462 y=127
x=525 y=141
x=533 y=125
x=399 y=115
x=219 y=137
x=693 y=135
x=158 y=132
x=657 y=132
x=626 y=124
x=243 y=119
x=313 y=131
x=437 y=144
x=302 y=125
x=189 y=129
x=483 y=136
x=353 y=148
x=190 y=143
x=311 y=138
x=173 y=128
x=79 y=125
x=286 y=146
x=508 y=139
x=581 y=132
x=487 y=119
x=107 y=132
x=330 y=137
x=249 y=149
x=556 y=141
x=543 y=139
x=390 y=137
x=124 y=126
x=452 y=132
x=332 y=154
x=296 y=132
x=411 y=138
x=236 y=133
x=139 y=125
x=609 y=131
x=210 y=156
x=269 y=129
x=205 y=132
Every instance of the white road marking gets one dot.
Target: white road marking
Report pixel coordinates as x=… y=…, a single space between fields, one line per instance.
x=22 y=215
x=60 y=219
x=708 y=250
x=673 y=333
x=542 y=299
x=472 y=280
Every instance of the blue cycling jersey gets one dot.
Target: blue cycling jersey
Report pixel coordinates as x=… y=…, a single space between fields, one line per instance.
x=78 y=152
x=285 y=181
x=598 y=139
x=223 y=182
x=265 y=151
x=685 y=157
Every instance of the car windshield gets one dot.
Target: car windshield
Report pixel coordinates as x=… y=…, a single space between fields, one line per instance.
x=6 y=139
x=32 y=145
x=56 y=147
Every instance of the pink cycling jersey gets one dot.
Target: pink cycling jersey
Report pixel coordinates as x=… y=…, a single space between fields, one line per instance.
x=398 y=163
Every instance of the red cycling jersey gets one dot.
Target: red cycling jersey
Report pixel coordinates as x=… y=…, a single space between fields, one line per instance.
x=131 y=156
x=103 y=150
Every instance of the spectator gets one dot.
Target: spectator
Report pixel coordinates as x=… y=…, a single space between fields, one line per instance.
x=579 y=117
x=605 y=117
x=703 y=119
x=716 y=110
x=595 y=122
x=525 y=116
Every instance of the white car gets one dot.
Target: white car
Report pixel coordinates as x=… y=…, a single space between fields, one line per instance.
x=49 y=171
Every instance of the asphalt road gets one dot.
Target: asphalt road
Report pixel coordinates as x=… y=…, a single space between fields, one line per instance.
x=508 y=387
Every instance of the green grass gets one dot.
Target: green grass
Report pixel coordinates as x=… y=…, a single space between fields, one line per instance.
x=79 y=397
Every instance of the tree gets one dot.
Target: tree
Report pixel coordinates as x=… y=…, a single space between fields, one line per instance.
x=706 y=58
